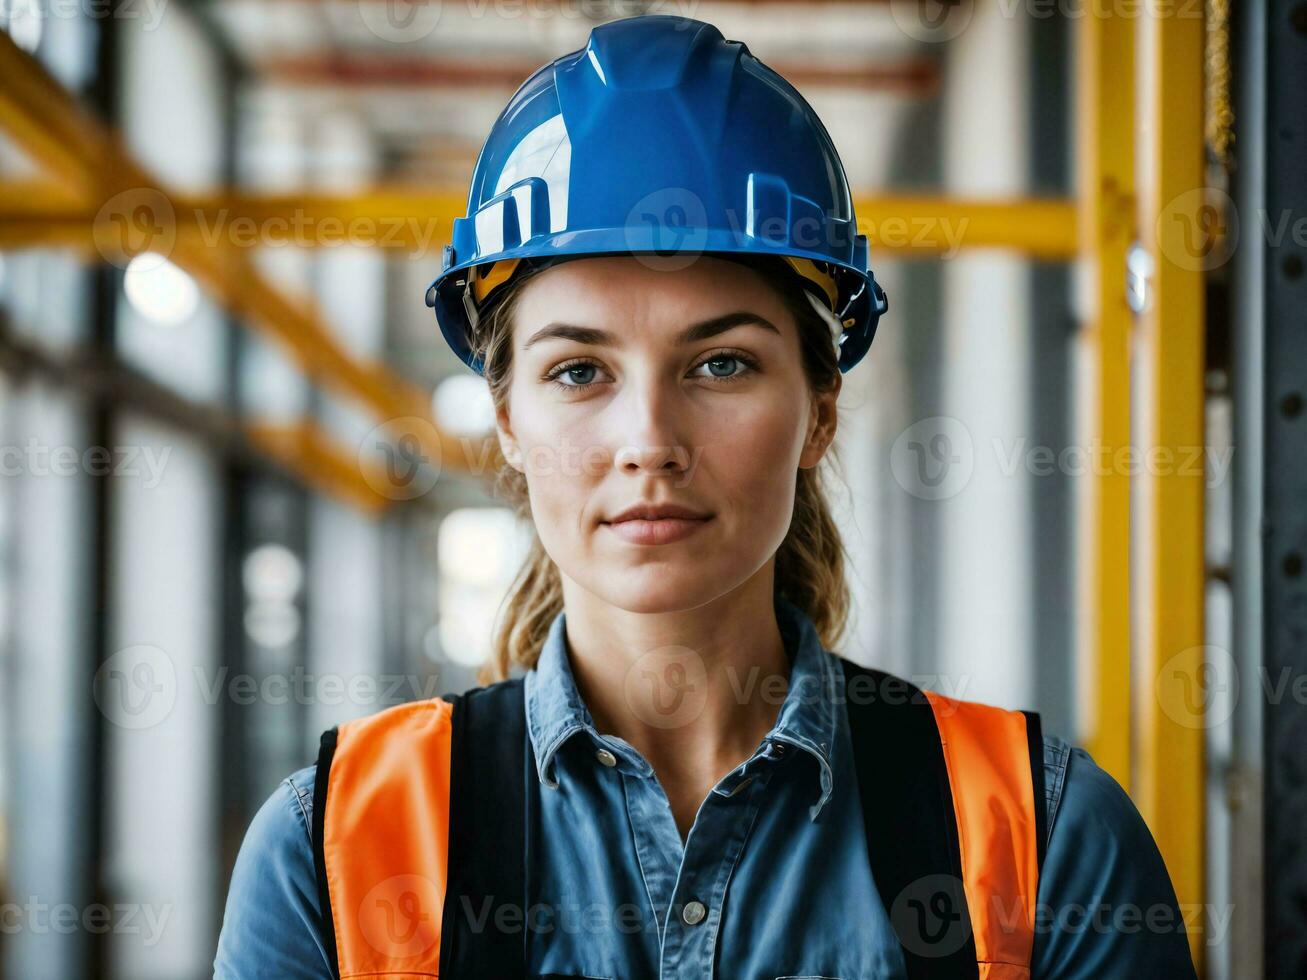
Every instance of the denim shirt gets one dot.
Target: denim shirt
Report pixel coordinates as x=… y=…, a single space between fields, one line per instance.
x=772 y=880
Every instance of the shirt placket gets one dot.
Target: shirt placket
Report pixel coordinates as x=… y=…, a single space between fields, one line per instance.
x=687 y=884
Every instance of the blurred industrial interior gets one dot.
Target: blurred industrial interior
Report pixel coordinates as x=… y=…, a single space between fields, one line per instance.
x=243 y=494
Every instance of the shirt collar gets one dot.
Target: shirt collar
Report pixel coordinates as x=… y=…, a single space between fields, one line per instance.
x=806 y=720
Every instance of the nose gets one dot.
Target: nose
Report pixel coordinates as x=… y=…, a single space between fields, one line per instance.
x=638 y=459
x=651 y=430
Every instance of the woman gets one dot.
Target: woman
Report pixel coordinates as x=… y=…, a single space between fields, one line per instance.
x=683 y=783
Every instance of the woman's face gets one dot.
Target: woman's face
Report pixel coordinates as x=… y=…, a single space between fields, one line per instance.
x=634 y=386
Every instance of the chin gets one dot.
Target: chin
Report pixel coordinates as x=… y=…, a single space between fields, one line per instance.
x=656 y=589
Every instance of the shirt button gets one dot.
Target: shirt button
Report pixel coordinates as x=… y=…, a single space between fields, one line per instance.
x=606 y=757
x=693 y=913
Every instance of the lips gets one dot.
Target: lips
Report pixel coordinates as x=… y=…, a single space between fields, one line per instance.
x=657 y=512
x=663 y=531
x=657 y=524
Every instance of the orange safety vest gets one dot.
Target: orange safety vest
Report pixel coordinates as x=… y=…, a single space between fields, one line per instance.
x=416 y=806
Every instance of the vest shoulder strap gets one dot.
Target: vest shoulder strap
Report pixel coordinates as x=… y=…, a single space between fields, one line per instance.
x=413 y=834
x=380 y=842
x=953 y=806
x=493 y=775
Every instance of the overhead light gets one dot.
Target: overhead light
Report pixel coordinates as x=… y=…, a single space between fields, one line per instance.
x=479 y=546
x=478 y=552
x=160 y=291
x=272 y=572
x=462 y=405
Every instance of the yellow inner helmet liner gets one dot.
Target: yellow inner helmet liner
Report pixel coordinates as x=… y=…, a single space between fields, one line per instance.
x=808 y=269
x=491 y=274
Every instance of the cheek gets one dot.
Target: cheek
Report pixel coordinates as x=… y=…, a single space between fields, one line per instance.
x=753 y=457
x=559 y=512
x=559 y=454
x=771 y=426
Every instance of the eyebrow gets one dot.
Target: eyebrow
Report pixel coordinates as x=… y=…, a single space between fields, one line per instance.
x=695 y=332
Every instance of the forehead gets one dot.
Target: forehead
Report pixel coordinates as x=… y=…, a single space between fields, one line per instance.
x=647 y=289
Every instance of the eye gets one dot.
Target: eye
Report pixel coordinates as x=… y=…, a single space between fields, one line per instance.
x=578 y=372
x=736 y=363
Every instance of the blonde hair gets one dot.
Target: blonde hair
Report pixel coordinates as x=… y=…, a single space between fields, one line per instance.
x=809 y=563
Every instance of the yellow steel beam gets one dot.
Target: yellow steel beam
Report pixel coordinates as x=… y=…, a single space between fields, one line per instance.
x=907 y=226
x=1105 y=159
x=39 y=199
x=40 y=118
x=43 y=213
x=127 y=211
x=20 y=233
x=1173 y=223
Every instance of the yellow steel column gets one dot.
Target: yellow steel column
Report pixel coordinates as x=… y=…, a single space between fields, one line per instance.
x=1105 y=163
x=1176 y=225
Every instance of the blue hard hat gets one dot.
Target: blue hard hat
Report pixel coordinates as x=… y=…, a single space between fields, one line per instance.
x=662 y=138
